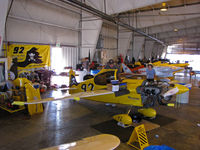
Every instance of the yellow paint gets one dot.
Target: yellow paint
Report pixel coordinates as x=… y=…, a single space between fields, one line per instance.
x=89 y=82
x=123 y=118
x=33 y=94
x=85 y=90
x=77 y=98
x=148 y=112
x=181 y=65
x=174 y=81
x=170 y=104
x=24 y=71
x=20 y=82
x=158 y=63
x=138 y=63
x=12 y=111
x=129 y=99
x=182 y=89
x=20 y=51
x=20 y=103
x=124 y=99
x=138 y=136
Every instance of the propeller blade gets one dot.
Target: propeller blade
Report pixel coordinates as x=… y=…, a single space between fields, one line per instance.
x=171 y=92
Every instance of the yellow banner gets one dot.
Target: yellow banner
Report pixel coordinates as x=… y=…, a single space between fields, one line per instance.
x=29 y=56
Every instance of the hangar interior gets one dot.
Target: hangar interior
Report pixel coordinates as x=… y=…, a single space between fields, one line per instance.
x=50 y=37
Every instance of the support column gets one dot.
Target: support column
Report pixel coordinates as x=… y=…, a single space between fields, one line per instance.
x=3 y=14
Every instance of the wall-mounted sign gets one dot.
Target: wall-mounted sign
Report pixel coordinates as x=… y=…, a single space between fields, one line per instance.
x=29 y=56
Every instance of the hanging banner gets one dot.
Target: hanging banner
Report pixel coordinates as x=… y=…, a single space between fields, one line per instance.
x=29 y=56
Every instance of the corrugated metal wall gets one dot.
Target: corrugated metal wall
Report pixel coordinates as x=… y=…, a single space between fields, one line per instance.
x=70 y=56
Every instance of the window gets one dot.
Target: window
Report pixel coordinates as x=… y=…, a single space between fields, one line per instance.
x=56 y=59
x=193 y=60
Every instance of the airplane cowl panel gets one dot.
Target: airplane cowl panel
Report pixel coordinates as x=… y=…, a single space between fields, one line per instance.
x=123 y=118
x=148 y=112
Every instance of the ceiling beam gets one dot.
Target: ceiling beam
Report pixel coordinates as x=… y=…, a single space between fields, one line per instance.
x=105 y=16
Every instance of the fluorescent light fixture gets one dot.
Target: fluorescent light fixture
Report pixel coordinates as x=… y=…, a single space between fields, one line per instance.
x=175 y=30
x=164 y=7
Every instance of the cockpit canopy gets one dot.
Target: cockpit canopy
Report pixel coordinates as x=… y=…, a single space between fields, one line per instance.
x=105 y=76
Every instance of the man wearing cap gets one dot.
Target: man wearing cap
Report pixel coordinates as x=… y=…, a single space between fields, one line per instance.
x=111 y=65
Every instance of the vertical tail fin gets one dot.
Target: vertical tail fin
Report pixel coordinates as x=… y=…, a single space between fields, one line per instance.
x=33 y=94
x=72 y=78
x=126 y=69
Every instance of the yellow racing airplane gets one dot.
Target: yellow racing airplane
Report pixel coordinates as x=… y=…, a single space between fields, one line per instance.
x=159 y=63
x=139 y=94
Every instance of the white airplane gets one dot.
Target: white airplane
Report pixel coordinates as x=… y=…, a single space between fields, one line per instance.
x=161 y=71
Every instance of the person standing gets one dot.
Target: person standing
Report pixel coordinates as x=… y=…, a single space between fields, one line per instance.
x=111 y=65
x=150 y=73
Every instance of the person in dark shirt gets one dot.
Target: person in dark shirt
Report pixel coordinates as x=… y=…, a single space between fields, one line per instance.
x=111 y=65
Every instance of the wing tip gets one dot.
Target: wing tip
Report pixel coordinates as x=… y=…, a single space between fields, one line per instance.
x=18 y=103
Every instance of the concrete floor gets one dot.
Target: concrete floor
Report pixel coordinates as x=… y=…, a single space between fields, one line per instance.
x=68 y=121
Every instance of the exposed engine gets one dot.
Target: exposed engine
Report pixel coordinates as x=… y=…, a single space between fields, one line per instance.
x=152 y=92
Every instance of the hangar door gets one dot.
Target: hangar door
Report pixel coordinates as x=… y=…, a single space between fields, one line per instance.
x=62 y=57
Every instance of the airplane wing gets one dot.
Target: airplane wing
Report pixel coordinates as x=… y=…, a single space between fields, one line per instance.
x=75 y=96
x=98 y=142
x=166 y=71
